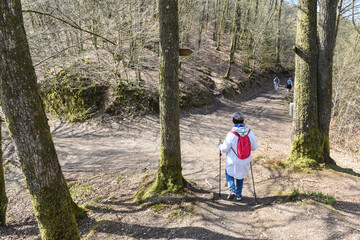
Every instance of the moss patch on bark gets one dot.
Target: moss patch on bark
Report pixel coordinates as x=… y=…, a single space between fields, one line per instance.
x=79 y=211
x=51 y=207
x=167 y=181
x=306 y=151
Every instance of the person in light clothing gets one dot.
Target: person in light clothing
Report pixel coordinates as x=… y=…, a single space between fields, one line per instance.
x=276 y=83
x=237 y=169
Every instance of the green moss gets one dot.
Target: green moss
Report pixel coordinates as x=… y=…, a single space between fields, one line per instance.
x=99 y=225
x=80 y=189
x=143 y=188
x=159 y=207
x=165 y=182
x=184 y=209
x=306 y=150
x=54 y=210
x=71 y=96
x=129 y=98
x=296 y=195
x=79 y=211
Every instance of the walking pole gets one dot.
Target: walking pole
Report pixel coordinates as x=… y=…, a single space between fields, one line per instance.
x=253 y=182
x=220 y=175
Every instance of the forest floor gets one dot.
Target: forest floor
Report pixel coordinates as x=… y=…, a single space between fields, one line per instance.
x=105 y=161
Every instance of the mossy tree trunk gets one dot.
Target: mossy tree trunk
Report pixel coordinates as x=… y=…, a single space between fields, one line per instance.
x=169 y=177
x=29 y=129
x=305 y=147
x=3 y=198
x=234 y=38
x=328 y=25
x=312 y=115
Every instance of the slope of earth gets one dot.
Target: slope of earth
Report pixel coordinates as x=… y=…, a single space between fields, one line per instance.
x=105 y=162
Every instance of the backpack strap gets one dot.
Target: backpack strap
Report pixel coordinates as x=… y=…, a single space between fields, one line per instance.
x=236 y=134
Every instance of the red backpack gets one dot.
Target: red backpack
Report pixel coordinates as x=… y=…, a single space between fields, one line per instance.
x=243 y=146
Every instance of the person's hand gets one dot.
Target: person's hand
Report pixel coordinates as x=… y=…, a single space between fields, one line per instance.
x=219 y=142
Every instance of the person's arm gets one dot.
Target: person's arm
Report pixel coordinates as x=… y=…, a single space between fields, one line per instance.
x=254 y=143
x=226 y=145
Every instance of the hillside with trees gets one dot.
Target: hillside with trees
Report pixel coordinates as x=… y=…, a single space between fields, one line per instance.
x=112 y=111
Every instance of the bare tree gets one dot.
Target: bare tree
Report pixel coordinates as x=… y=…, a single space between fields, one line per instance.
x=27 y=123
x=313 y=93
x=328 y=28
x=234 y=38
x=305 y=144
x=222 y=19
x=278 y=32
x=169 y=177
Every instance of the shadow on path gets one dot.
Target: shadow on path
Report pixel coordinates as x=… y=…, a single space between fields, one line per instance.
x=337 y=168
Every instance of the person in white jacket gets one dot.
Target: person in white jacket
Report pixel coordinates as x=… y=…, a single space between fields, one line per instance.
x=237 y=169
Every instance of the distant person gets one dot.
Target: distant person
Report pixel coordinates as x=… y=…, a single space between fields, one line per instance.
x=276 y=83
x=289 y=84
x=238 y=155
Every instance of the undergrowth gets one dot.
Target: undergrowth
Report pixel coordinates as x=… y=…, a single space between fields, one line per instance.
x=296 y=196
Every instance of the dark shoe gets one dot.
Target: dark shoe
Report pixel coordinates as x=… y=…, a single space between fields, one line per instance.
x=231 y=195
x=238 y=198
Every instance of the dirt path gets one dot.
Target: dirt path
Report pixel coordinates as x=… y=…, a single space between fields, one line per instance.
x=132 y=147
x=92 y=151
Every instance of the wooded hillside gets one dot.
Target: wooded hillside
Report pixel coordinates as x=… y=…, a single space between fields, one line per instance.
x=110 y=48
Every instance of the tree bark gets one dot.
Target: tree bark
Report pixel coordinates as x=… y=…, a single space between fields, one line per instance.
x=234 y=39
x=327 y=38
x=216 y=21
x=221 y=26
x=3 y=198
x=27 y=123
x=169 y=177
x=305 y=144
x=278 y=33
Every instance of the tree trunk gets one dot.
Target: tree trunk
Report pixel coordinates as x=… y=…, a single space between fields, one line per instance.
x=169 y=177
x=234 y=39
x=27 y=123
x=305 y=149
x=3 y=198
x=221 y=25
x=327 y=38
x=202 y=24
x=278 y=33
x=216 y=23
x=245 y=24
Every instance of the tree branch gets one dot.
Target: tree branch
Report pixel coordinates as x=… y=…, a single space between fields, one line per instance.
x=353 y=17
x=63 y=50
x=74 y=25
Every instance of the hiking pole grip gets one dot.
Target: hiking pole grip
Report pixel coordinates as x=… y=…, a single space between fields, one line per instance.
x=252 y=175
